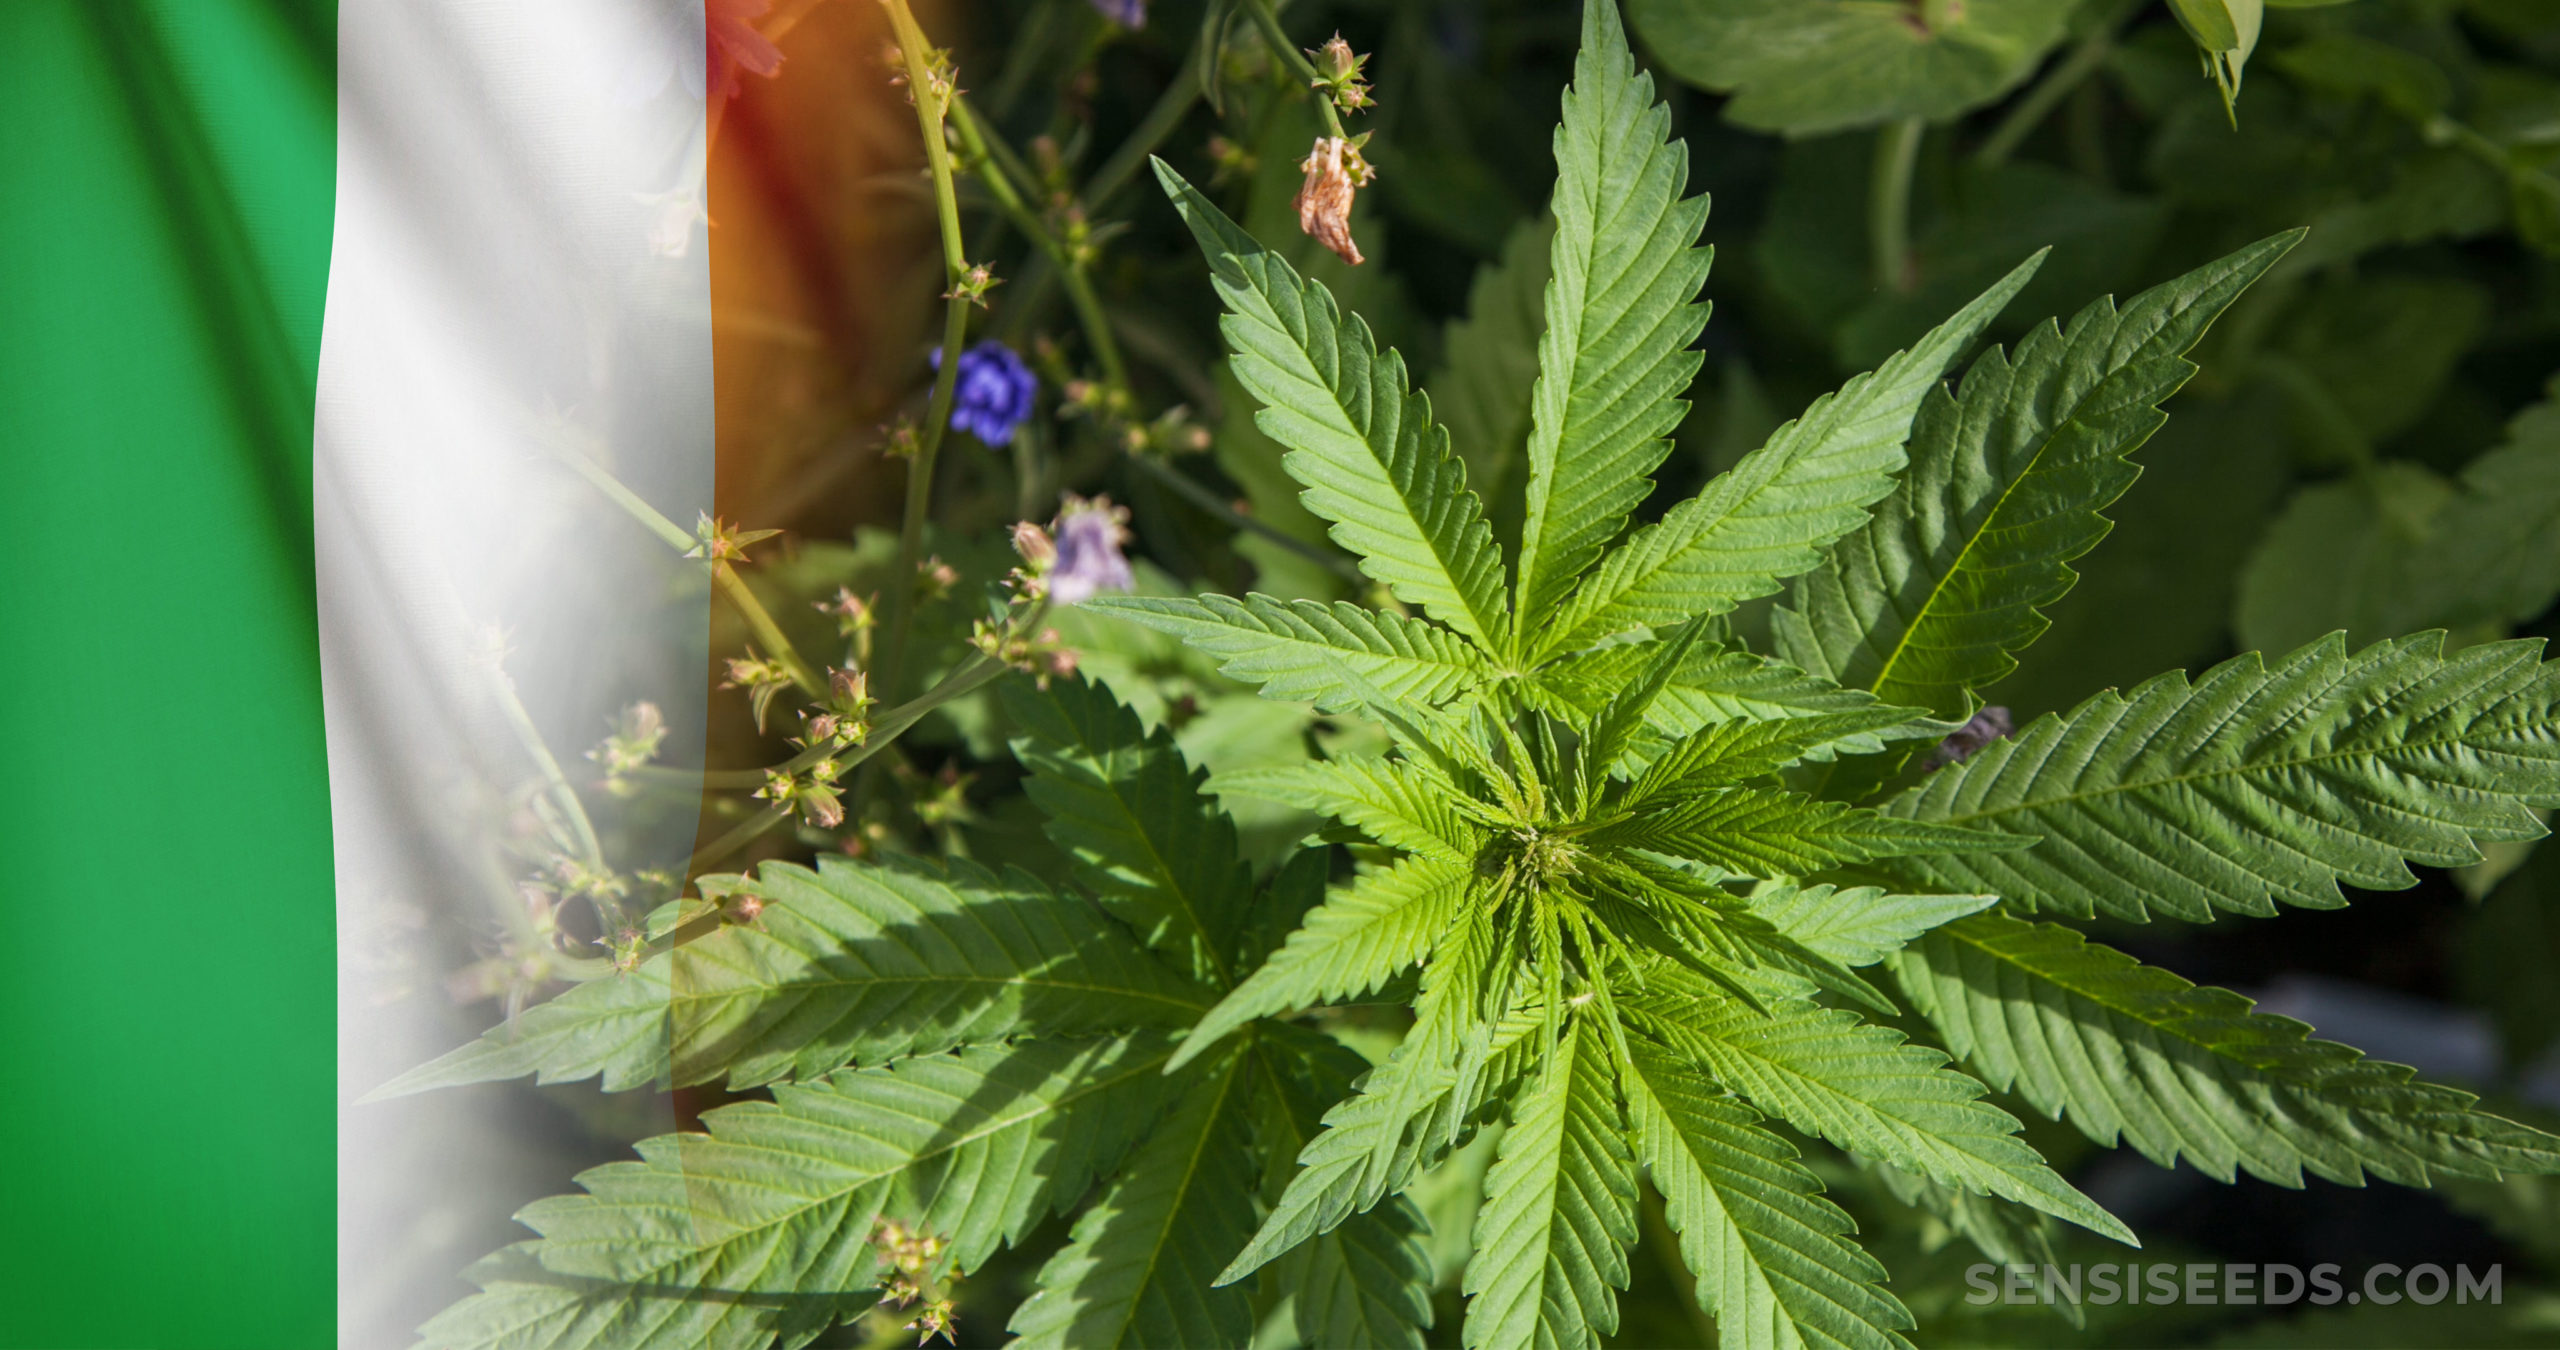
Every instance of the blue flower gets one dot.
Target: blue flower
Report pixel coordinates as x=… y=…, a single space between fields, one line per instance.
x=993 y=393
x=1126 y=13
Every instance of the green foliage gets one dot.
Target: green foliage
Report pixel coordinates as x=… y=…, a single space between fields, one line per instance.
x=1725 y=687
x=1128 y=809
x=2127 y=1051
x=2008 y=476
x=2396 y=548
x=1806 y=66
x=844 y=964
x=1483 y=393
x=2226 y=32
x=1774 y=1260
x=1560 y=1207
x=1134 y=1275
x=1358 y=437
x=1360 y=937
x=1859 y=926
x=1771 y=516
x=1867 y=1090
x=1022 y=1055
x=1367 y=1282
x=758 y=1231
x=2508 y=944
x=2276 y=781
x=1625 y=869
x=1335 y=656
x=1620 y=316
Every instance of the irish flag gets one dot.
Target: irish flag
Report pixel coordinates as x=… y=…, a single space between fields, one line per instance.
x=360 y=359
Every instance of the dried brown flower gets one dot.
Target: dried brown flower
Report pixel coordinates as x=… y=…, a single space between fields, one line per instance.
x=1335 y=171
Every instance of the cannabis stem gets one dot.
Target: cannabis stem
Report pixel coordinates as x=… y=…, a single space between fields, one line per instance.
x=885 y=730
x=2039 y=102
x=1889 y=204
x=1170 y=109
x=566 y=797
x=932 y=93
x=998 y=168
x=1208 y=501
x=1296 y=61
x=759 y=619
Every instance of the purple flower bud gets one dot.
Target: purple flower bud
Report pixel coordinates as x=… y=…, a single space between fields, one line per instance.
x=1126 y=13
x=992 y=395
x=1982 y=729
x=1089 y=560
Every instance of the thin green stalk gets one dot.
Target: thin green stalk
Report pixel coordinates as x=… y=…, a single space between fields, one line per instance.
x=1116 y=173
x=557 y=783
x=885 y=730
x=971 y=674
x=2029 y=112
x=1030 y=41
x=1096 y=325
x=759 y=619
x=1296 y=61
x=988 y=149
x=1208 y=501
x=748 y=831
x=1011 y=185
x=1889 y=204
x=666 y=530
x=1026 y=471
x=931 y=107
x=2441 y=130
x=1171 y=107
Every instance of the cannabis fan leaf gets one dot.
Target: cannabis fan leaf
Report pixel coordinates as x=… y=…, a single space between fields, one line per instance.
x=959 y=1054
x=2260 y=781
x=2008 y=476
x=2178 y=1071
x=1642 y=891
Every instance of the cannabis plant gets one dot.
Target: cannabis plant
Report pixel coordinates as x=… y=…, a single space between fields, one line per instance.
x=1664 y=908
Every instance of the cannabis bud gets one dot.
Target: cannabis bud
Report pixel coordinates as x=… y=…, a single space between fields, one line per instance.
x=629 y=947
x=718 y=541
x=814 y=796
x=1033 y=544
x=845 y=717
x=935 y=578
x=853 y=613
x=762 y=677
x=1338 y=75
x=852 y=690
x=1043 y=658
x=635 y=741
x=1334 y=172
x=972 y=286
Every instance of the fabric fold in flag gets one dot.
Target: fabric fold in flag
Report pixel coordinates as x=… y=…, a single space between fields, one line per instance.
x=351 y=350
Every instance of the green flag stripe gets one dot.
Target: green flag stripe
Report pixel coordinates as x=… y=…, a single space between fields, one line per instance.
x=167 y=1170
